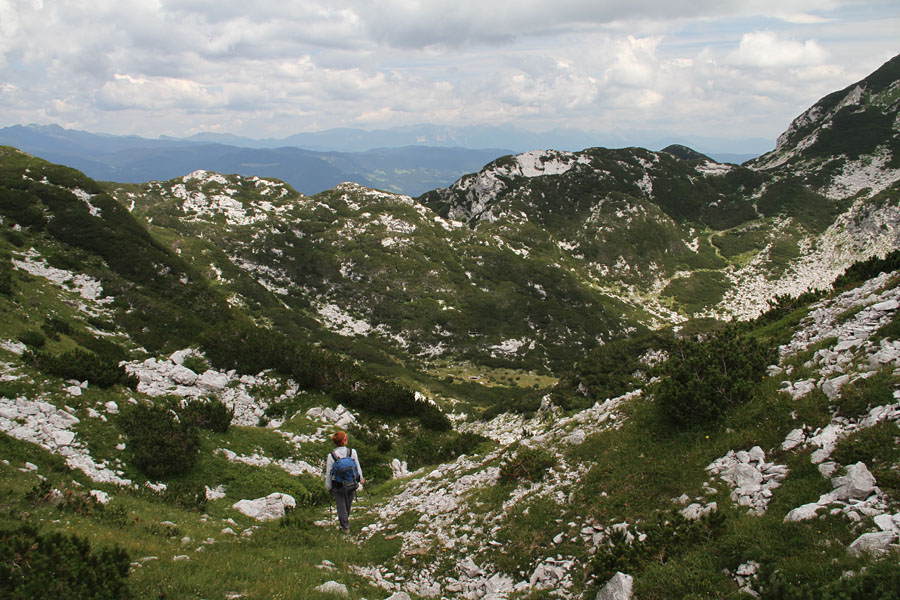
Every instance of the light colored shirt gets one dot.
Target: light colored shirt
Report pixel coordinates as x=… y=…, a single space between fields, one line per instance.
x=340 y=452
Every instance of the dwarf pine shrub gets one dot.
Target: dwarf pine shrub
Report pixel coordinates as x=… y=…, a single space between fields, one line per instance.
x=530 y=464
x=81 y=365
x=57 y=566
x=878 y=580
x=702 y=379
x=670 y=535
x=32 y=338
x=161 y=444
x=210 y=413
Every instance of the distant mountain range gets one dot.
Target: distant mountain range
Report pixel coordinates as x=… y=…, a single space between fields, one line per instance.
x=132 y=159
x=408 y=160
x=493 y=136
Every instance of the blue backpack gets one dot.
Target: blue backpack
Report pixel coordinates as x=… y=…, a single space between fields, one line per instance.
x=344 y=474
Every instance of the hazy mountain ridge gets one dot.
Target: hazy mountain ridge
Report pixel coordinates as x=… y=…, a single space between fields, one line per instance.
x=133 y=159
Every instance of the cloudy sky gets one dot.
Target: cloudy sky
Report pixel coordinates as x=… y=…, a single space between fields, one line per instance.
x=270 y=68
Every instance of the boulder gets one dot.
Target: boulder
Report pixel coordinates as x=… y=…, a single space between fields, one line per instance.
x=333 y=587
x=884 y=522
x=182 y=375
x=266 y=509
x=803 y=513
x=877 y=542
x=213 y=381
x=793 y=439
x=619 y=587
x=178 y=357
x=857 y=484
x=576 y=438
x=399 y=469
x=469 y=568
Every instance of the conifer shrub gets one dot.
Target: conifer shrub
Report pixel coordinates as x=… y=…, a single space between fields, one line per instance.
x=32 y=338
x=59 y=566
x=207 y=413
x=530 y=464
x=161 y=444
x=702 y=379
x=81 y=365
x=668 y=536
x=54 y=327
x=7 y=285
x=872 y=444
x=14 y=237
x=879 y=579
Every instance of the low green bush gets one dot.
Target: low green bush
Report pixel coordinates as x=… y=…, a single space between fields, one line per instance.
x=878 y=580
x=59 y=566
x=702 y=379
x=161 y=444
x=54 y=327
x=669 y=535
x=874 y=445
x=859 y=397
x=32 y=338
x=7 y=285
x=81 y=365
x=209 y=413
x=195 y=363
x=530 y=464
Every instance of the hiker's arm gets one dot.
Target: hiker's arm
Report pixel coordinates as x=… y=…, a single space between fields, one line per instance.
x=329 y=463
x=362 y=479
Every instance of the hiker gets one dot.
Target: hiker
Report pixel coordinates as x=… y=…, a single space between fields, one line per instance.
x=343 y=475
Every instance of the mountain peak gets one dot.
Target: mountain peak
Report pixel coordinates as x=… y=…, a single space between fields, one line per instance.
x=684 y=153
x=859 y=120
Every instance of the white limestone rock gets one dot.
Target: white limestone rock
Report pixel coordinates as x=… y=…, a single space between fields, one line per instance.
x=182 y=375
x=619 y=587
x=802 y=513
x=333 y=587
x=793 y=439
x=857 y=484
x=399 y=469
x=266 y=509
x=213 y=380
x=877 y=543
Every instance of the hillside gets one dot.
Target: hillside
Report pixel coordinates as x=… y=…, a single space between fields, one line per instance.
x=564 y=370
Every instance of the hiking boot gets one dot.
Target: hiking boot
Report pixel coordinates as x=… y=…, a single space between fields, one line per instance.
x=345 y=530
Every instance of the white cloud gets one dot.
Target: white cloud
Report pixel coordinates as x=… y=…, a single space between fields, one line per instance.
x=767 y=49
x=182 y=66
x=125 y=91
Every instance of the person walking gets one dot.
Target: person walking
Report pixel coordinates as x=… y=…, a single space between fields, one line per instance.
x=343 y=475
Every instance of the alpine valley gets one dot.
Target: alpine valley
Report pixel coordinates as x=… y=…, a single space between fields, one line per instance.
x=568 y=374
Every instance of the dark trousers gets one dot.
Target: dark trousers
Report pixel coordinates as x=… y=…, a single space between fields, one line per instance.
x=343 y=500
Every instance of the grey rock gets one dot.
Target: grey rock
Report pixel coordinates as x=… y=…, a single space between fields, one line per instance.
x=793 y=439
x=333 y=587
x=858 y=483
x=619 y=587
x=802 y=513
x=266 y=509
x=876 y=543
